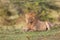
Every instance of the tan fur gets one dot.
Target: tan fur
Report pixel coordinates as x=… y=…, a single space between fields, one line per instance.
x=35 y=24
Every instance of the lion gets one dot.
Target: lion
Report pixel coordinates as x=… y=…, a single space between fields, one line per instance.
x=34 y=24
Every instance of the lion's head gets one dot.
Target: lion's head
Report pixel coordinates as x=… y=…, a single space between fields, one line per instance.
x=30 y=17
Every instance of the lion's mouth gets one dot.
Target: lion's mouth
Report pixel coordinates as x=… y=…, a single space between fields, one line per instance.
x=30 y=22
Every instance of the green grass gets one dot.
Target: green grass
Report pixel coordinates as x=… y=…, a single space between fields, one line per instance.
x=18 y=35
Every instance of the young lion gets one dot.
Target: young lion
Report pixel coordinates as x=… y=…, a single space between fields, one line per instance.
x=33 y=24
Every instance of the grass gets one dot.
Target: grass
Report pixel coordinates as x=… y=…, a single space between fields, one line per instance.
x=18 y=35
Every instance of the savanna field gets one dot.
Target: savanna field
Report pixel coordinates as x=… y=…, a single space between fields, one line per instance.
x=13 y=19
x=53 y=34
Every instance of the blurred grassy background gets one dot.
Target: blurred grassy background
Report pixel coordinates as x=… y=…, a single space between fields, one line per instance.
x=12 y=18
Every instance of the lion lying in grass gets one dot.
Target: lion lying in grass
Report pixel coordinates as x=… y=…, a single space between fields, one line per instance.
x=33 y=24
